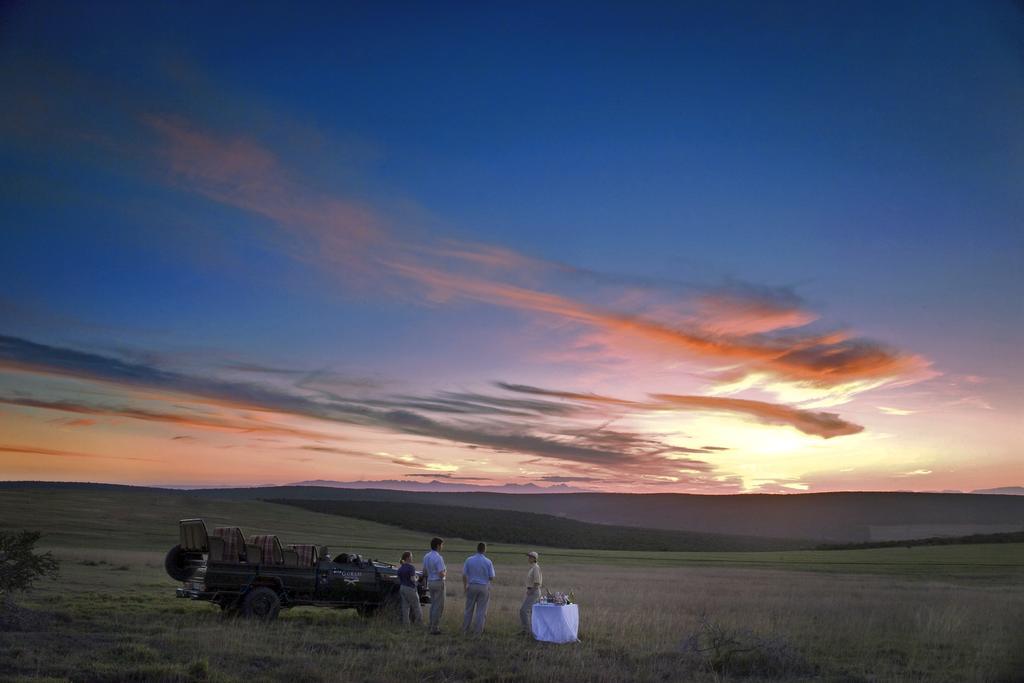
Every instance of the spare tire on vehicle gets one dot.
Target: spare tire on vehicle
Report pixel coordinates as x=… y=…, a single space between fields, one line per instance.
x=177 y=565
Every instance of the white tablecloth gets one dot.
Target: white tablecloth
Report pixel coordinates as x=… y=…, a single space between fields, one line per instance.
x=556 y=623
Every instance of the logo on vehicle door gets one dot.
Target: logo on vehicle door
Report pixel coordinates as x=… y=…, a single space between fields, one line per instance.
x=349 y=577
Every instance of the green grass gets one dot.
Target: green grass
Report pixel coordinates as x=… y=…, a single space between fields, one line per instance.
x=950 y=613
x=149 y=521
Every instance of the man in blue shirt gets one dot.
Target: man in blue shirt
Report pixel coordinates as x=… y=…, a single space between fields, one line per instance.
x=477 y=573
x=434 y=568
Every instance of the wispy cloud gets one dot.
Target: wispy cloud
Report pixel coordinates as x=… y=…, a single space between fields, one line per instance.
x=240 y=172
x=191 y=420
x=896 y=411
x=60 y=453
x=815 y=359
x=825 y=425
x=740 y=310
x=753 y=331
x=736 y=324
x=611 y=450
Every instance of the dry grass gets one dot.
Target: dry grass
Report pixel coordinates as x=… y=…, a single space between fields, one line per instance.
x=951 y=613
x=103 y=624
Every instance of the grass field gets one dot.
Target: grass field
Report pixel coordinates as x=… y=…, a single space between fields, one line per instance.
x=948 y=613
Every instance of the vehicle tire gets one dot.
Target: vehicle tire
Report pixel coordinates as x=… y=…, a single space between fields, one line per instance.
x=176 y=564
x=261 y=603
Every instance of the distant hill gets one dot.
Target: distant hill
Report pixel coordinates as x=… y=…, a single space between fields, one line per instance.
x=1005 y=491
x=439 y=486
x=528 y=528
x=74 y=486
x=822 y=517
x=825 y=517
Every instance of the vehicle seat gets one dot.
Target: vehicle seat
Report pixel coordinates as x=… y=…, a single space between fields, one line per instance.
x=216 y=549
x=270 y=549
x=252 y=553
x=192 y=535
x=307 y=554
x=233 y=549
x=291 y=558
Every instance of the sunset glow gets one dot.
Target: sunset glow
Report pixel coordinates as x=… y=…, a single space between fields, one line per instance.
x=419 y=257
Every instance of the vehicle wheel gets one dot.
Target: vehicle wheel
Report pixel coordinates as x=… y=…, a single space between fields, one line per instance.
x=176 y=564
x=261 y=603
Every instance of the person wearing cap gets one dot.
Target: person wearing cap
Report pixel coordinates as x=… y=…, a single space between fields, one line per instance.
x=534 y=579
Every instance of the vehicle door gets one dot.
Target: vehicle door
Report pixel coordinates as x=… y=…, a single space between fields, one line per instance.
x=347 y=579
x=299 y=581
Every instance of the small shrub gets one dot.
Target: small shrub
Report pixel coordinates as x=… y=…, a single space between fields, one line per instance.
x=20 y=567
x=741 y=652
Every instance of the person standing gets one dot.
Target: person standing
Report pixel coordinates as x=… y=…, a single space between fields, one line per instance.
x=534 y=580
x=407 y=591
x=434 y=568
x=477 y=573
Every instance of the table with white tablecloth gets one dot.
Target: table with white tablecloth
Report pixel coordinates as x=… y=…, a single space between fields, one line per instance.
x=556 y=623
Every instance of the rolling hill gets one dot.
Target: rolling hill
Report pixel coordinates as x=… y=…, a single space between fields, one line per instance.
x=853 y=517
x=530 y=528
x=820 y=517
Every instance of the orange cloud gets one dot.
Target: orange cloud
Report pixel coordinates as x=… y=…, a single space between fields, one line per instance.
x=239 y=172
x=821 y=360
x=730 y=326
x=731 y=314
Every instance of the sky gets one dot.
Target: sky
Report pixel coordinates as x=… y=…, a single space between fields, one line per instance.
x=676 y=247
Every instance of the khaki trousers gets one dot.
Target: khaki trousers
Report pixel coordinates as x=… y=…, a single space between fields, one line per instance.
x=526 y=611
x=436 y=603
x=477 y=597
x=410 y=605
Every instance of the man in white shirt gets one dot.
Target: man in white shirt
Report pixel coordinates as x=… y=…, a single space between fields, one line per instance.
x=477 y=573
x=434 y=567
x=534 y=579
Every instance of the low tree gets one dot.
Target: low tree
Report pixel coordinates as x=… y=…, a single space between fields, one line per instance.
x=20 y=565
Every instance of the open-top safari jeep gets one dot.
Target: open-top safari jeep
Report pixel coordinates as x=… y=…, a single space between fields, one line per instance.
x=259 y=577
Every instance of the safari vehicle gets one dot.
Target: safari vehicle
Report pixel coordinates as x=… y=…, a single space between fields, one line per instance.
x=259 y=577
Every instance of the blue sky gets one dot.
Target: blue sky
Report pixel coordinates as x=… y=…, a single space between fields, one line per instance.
x=174 y=173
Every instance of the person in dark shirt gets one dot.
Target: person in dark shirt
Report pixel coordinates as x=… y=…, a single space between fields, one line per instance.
x=411 y=612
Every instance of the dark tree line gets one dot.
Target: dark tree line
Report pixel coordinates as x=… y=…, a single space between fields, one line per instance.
x=526 y=528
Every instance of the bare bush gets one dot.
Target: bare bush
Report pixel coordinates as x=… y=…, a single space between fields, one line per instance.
x=715 y=648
